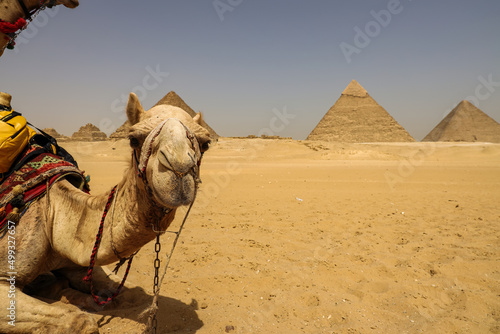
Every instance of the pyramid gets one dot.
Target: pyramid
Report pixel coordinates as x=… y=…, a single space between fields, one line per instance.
x=175 y=100
x=52 y=132
x=466 y=123
x=89 y=132
x=121 y=132
x=357 y=117
x=171 y=99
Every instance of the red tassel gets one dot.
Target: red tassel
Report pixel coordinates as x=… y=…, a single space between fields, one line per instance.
x=9 y=28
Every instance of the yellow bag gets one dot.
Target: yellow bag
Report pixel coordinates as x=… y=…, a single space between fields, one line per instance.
x=14 y=136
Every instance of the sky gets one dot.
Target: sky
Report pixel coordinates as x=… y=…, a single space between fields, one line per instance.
x=255 y=66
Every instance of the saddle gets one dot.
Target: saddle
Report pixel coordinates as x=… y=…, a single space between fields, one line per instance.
x=36 y=169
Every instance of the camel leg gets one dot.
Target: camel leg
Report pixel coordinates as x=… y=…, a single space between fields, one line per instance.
x=104 y=286
x=75 y=277
x=25 y=314
x=50 y=288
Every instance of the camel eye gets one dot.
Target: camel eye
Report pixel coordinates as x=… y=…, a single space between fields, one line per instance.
x=134 y=142
x=205 y=146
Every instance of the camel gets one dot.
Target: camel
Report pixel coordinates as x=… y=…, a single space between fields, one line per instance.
x=12 y=10
x=58 y=231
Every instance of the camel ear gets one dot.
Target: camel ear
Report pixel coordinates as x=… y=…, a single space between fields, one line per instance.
x=134 y=109
x=198 y=118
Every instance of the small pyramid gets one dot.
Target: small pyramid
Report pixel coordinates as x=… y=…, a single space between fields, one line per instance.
x=466 y=123
x=356 y=117
x=52 y=132
x=89 y=132
x=175 y=100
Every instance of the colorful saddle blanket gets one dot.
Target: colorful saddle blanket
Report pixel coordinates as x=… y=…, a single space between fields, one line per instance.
x=40 y=171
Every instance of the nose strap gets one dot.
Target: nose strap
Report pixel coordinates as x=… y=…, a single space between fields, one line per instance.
x=147 y=148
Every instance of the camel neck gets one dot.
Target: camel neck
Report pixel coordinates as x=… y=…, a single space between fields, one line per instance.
x=127 y=227
x=132 y=210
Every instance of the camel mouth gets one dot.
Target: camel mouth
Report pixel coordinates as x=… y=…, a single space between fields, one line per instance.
x=172 y=189
x=179 y=198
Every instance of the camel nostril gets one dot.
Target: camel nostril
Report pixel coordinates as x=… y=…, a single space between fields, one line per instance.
x=164 y=160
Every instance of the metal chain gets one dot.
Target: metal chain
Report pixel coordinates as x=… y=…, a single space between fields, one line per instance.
x=153 y=324
x=156 y=279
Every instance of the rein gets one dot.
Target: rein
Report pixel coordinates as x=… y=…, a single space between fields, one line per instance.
x=152 y=321
x=141 y=168
x=141 y=172
x=94 y=254
x=25 y=9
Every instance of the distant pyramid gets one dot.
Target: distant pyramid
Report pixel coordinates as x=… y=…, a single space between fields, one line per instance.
x=121 y=132
x=89 y=132
x=357 y=117
x=171 y=99
x=175 y=100
x=52 y=132
x=466 y=123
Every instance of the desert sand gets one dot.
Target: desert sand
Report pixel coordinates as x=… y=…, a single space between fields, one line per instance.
x=313 y=237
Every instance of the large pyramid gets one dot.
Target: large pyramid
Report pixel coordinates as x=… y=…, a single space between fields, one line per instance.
x=356 y=117
x=466 y=123
x=171 y=99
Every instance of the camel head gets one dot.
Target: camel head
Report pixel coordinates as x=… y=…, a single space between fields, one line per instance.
x=168 y=145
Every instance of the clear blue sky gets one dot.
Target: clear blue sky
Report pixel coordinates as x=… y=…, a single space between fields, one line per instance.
x=238 y=60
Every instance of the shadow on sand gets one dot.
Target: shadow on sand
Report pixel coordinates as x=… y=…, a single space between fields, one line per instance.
x=173 y=316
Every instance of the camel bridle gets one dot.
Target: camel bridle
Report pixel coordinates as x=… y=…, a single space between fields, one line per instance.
x=141 y=172
x=147 y=146
x=21 y=23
